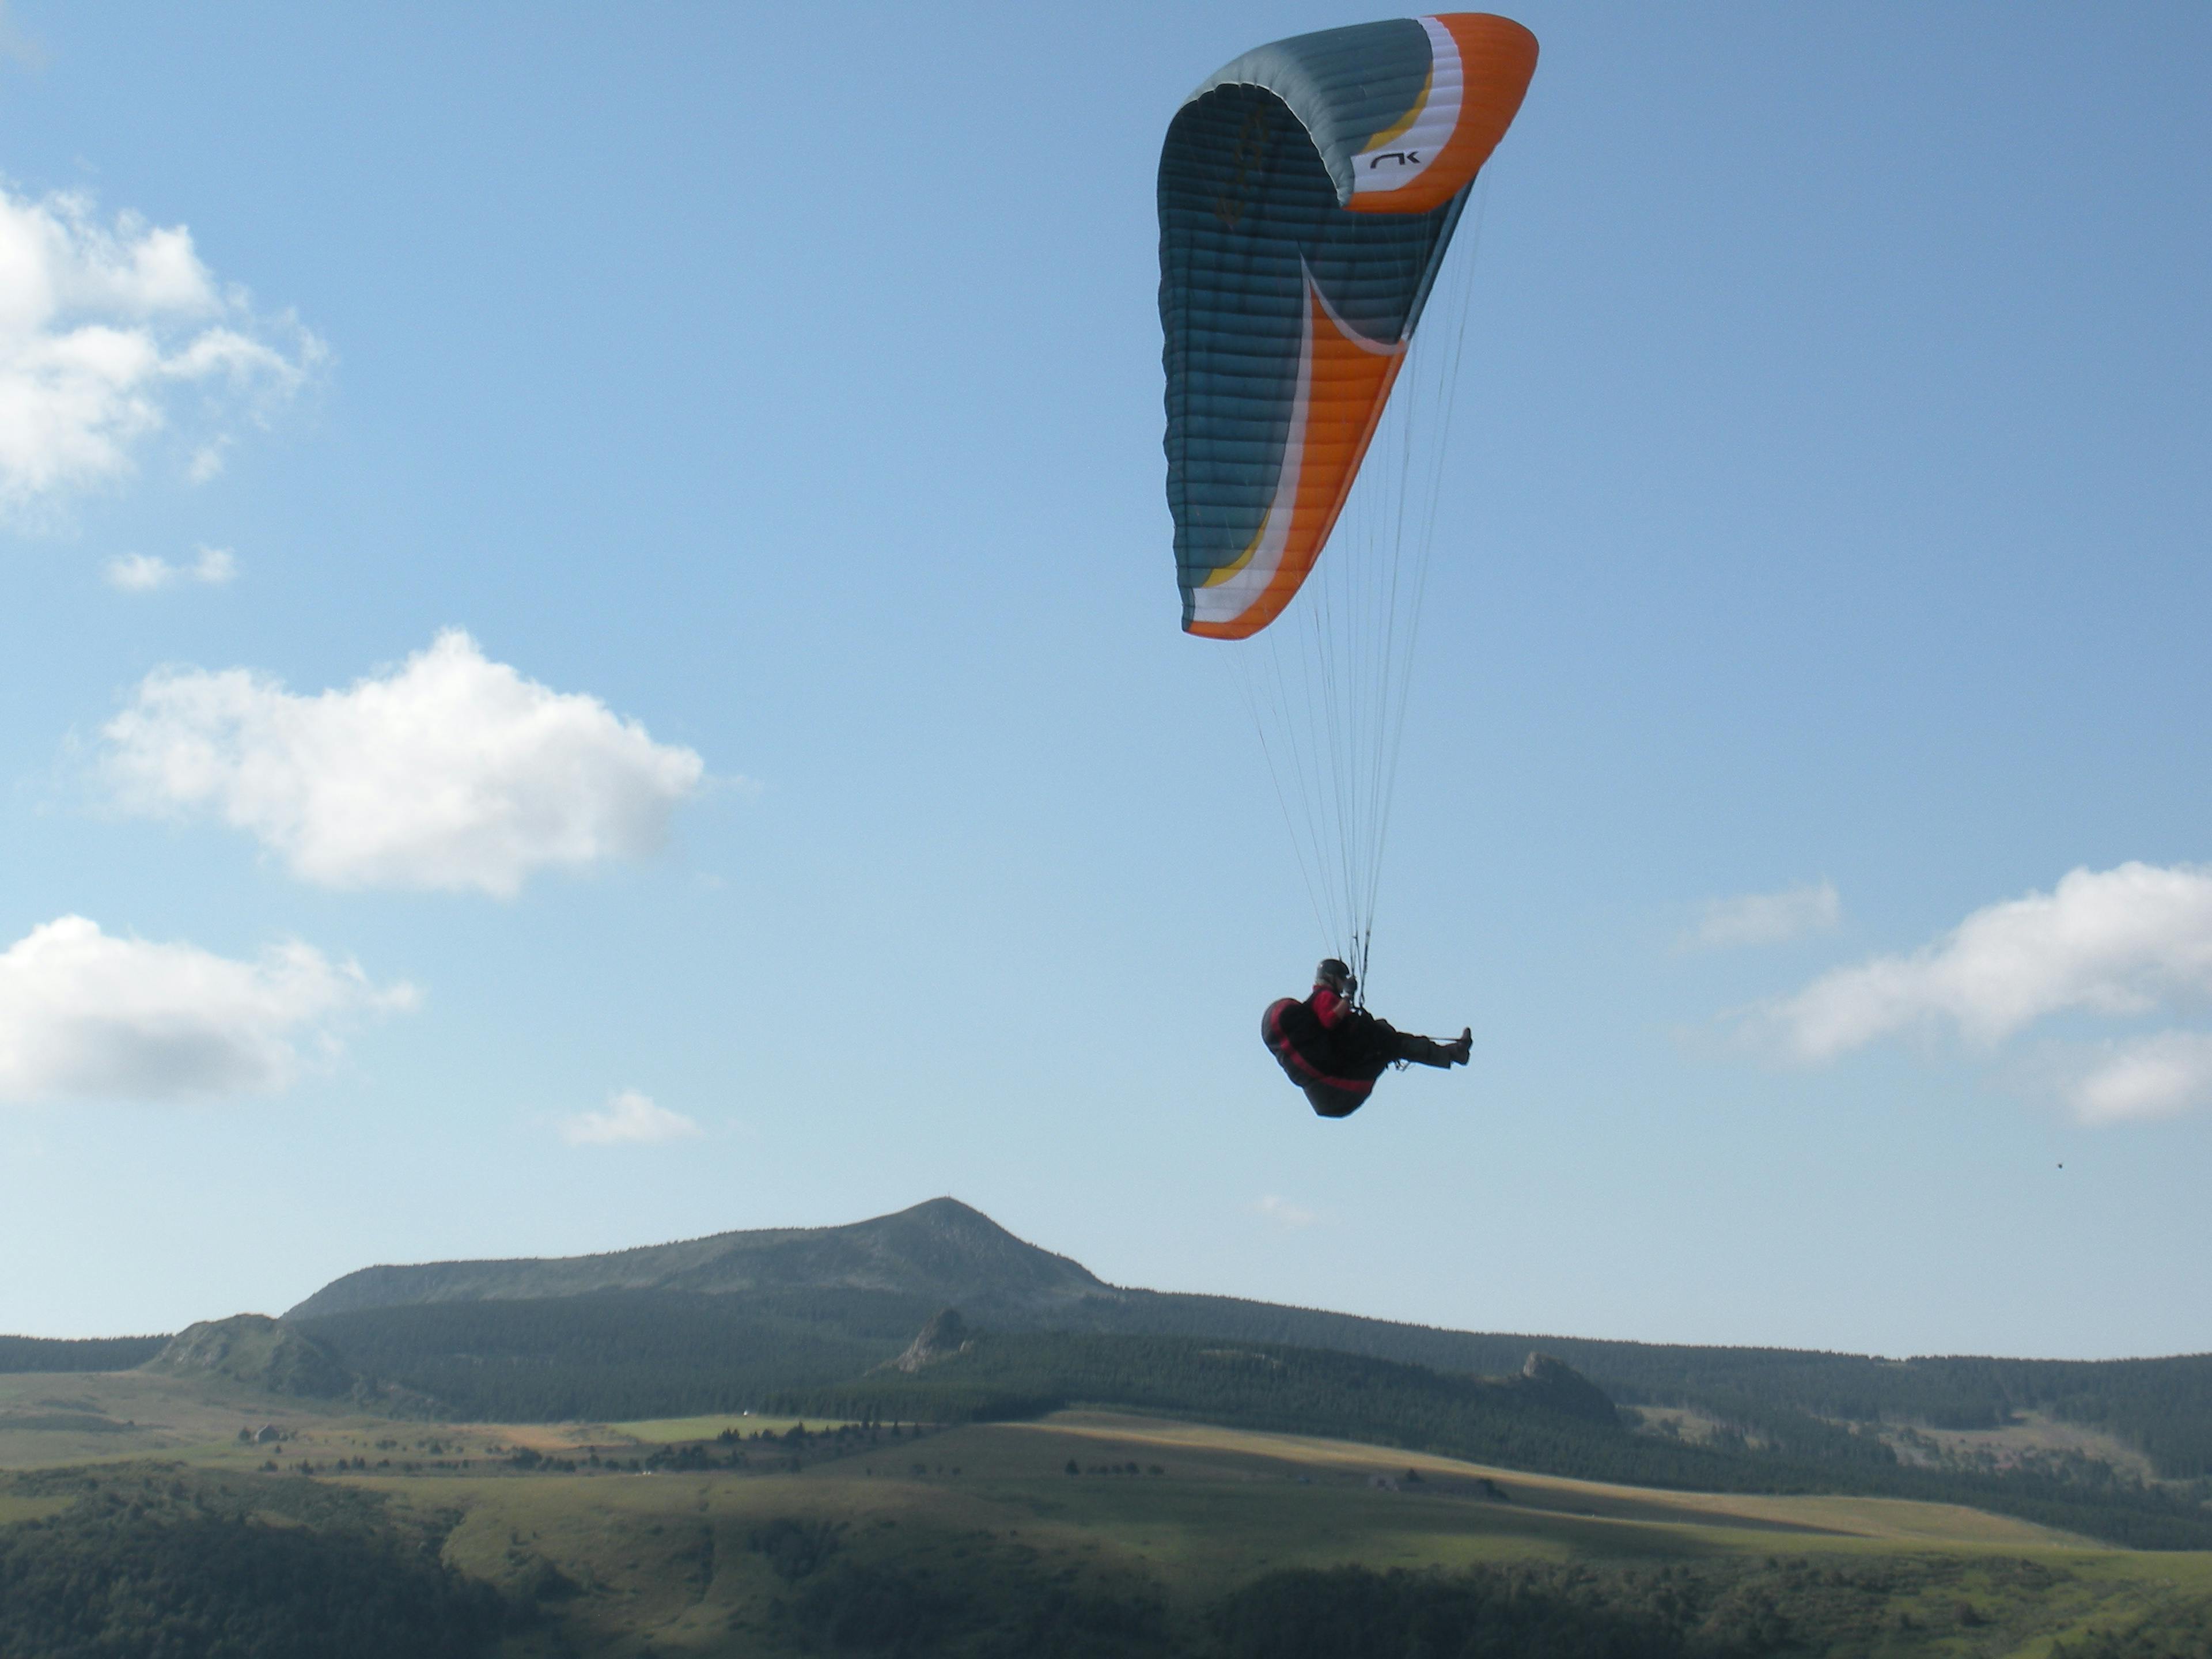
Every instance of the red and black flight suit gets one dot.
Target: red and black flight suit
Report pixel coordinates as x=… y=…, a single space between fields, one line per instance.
x=1334 y=1051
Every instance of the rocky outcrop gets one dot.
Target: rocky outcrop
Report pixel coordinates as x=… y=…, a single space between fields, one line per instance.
x=260 y=1351
x=1557 y=1386
x=945 y=1335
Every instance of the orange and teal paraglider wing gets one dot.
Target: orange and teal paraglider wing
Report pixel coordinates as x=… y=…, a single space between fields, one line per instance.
x=1307 y=193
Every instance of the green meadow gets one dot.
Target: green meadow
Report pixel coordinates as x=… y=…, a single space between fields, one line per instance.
x=1193 y=1513
x=1082 y=1532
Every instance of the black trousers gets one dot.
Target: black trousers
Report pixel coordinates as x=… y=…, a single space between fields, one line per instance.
x=1422 y=1051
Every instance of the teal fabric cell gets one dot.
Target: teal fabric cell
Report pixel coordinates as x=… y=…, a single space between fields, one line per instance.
x=1252 y=181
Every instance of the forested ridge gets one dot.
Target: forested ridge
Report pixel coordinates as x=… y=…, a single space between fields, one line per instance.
x=155 y=1561
x=643 y=1352
x=942 y=1253
x=98 y=1353
x=624 y=1355
x=1711 y=1609
x=1346 y=1397
x=735 y=1319
x=2163 y=1407
x=613 y=1356
x=677 y=1351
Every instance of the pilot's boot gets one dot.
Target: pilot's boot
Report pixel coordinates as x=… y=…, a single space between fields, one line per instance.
x=1427 y=1051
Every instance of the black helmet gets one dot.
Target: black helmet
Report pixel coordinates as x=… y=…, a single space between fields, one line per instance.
x=1337 y=975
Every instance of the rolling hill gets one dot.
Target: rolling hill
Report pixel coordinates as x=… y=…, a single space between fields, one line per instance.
x=941 y=1252
x=807 y=1320
x=856 y=1288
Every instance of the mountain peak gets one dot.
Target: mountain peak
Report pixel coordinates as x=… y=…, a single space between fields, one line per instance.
x=941 y=1249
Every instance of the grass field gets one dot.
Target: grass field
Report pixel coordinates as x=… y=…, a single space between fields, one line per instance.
x=671 y=1431
x=664 y=1559
x=48 y=1417
x=2034 y=1432
x=688 y=1563
x=13 y=1509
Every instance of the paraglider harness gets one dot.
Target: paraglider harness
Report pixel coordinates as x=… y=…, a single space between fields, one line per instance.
x=1333 y=1051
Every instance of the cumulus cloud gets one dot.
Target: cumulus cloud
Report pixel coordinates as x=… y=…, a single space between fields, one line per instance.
x=1767 y=918
x=1282 y=1211
x=141 y=573
x=112 y=330
x=2128 y=943
x=2161 y=1075
x=2124 y=941
x=631 y=1119
x=87 y=1015
x=449 y=771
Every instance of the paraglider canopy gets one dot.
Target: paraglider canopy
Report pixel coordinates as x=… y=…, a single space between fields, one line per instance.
x=1307 y=193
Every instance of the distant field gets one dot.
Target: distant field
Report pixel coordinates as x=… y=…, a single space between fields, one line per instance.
x=2036 y=1432
x=667 y=1555
x=1887 y=1519
x=1159 y=1512
x=13 y=1509
x=47 y=1420
x=82 y=1416
x=670 y=1431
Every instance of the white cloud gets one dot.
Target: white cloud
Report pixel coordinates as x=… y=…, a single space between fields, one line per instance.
x=2157 y=1076
x=1281 y=1210
x=2123 y=941
x=631 y=1119
x=87 y=1015
x=141 y=573
x=1767 y=918
x=105 y=328
x=208 y=460
x=449 y=771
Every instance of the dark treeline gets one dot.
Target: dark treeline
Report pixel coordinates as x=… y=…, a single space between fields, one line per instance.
x=1013 y=1375
x=2180 y=1630
x=1724 y=1608
x=2163 y=1407
x=162 y=1560
x=159 y=1563
x=1508 y=1611
x=619 y=1355
x=1308 y=1391
x=1710 y=1610
x=96 y=1353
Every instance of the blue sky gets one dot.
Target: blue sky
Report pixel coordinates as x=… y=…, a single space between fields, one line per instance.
x=710 y=456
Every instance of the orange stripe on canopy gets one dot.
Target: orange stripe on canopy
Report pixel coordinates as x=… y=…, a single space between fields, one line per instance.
x=1347 y=384
x=1497 y=59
